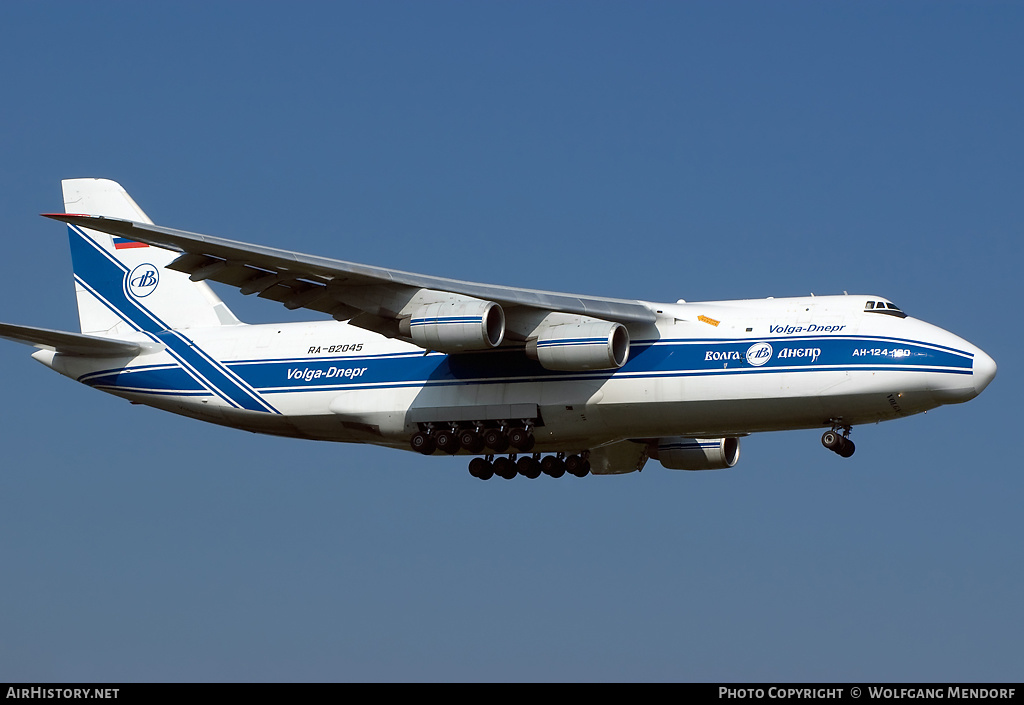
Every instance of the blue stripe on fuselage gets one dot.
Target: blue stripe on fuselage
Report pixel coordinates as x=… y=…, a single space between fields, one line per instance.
x=664 y=359
x=667 y=358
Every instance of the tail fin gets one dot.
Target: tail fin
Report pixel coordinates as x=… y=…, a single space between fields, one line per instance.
x=113 y=274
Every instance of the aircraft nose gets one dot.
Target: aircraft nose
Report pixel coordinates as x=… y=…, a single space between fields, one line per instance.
x=984 y=371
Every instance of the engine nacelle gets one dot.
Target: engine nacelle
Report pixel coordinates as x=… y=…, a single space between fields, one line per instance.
x=457 y=325
x=696 y=453
x=595 y=345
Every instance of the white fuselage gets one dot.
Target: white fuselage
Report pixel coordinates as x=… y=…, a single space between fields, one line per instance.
x=712 y=369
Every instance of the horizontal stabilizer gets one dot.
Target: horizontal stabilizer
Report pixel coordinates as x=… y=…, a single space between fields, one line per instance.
x=69 y=343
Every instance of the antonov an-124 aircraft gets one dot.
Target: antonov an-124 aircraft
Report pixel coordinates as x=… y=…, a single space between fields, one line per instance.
x=518 y=381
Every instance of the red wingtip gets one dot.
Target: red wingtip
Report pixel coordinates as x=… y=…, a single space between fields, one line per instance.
x=58 y=216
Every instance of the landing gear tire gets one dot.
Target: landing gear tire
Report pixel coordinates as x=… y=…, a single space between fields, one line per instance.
x=505 y=468
x=481 y=469
x=447 y=442
x=422 y=443
x=840 y=445
x=471 y=441
x=552 y=466
x=496 y=440
x=575 y=465
x=521 y=439
x=528 y=467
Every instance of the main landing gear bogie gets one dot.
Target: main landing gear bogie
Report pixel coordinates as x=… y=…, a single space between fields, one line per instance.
x=517 y=441
x=530 y=466
x=840 y=444
x=474 y=439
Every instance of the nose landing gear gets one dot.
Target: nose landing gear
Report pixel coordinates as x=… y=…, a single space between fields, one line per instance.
x=841 y=445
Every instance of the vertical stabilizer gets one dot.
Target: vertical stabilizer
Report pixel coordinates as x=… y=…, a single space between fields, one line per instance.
x=113 y=274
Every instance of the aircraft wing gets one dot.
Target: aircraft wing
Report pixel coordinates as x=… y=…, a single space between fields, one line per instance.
x=371 y=297
x=69 y=343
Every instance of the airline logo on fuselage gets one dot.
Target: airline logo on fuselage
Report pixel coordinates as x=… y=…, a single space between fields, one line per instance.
x=762 y=353
x=759 y=353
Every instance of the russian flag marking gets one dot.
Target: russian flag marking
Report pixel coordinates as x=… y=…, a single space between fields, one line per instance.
x=121 y=243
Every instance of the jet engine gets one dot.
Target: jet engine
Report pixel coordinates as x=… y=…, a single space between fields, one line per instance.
x=596 y=345
x=680 y=453
x=456 y=325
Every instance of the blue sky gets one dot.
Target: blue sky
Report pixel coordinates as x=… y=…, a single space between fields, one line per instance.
x=655 y=151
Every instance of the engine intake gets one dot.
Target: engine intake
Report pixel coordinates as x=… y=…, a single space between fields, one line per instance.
x=456 y=326
x=597 y=345
x=696 y=453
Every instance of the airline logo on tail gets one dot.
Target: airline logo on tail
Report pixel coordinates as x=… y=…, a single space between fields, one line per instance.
x=142 y=280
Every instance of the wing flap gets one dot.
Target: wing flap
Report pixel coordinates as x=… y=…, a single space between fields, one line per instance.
x=66 y=343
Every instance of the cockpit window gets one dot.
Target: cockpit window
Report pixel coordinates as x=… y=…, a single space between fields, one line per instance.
x=884 y=307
